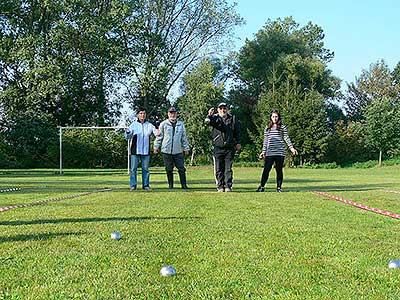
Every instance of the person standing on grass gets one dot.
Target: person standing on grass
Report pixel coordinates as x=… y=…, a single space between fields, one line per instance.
x=273 y=151
x=173 y=143
x=226 y=141
x=139 y=133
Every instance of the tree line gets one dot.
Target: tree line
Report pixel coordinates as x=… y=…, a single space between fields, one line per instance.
x=74 y=63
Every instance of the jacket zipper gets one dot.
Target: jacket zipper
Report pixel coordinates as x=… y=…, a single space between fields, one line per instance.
x=143 y=139
x=173 y=134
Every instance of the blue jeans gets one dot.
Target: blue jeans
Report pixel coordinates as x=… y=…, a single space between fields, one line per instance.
x=145 y=159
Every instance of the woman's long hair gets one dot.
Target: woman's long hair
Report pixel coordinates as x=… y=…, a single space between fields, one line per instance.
x=279 y=123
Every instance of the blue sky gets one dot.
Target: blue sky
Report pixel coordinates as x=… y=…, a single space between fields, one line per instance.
x=359 y=32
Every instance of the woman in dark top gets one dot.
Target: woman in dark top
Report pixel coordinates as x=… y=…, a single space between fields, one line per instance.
x=273 y=151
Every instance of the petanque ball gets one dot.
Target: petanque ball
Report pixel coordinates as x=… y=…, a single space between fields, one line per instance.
x=167 y=271
x=116 y=235
x=394 y=263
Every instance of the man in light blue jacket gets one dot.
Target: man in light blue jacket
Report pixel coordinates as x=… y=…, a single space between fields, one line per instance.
x=139 y=133
x=173 y=143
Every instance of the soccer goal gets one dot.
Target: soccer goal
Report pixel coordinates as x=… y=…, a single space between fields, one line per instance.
x=116 y=129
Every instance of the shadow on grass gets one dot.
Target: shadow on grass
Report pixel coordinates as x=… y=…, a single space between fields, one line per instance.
x=84 y=220
x=36 y=237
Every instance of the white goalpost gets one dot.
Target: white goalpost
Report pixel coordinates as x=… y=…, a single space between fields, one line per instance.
x=92 y=128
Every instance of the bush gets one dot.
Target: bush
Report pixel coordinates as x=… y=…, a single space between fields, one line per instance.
x=94 y=149
x=332 y=165
x=391 y=162
x=248 y=153
x=28 y=142
x=346 y=145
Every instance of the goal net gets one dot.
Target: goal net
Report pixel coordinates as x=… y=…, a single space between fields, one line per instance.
x=93 y=147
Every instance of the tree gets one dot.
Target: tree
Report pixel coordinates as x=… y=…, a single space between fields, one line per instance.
x=172 y=36
x=57 y=67
x=303 y=113
x=346 y=144
x=396 y=74
x=58 y=58
x=382 y=125
x=30 y=140
x=282 y=55
x=375 y=83
x=202 y=88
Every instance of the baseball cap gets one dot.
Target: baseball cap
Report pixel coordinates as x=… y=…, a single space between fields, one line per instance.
x=172 y=109
x=222 y=104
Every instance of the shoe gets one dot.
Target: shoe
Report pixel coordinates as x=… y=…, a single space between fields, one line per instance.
x=133 y=188
x=229 y=189
x=279 y=190
x=146 y=188
x=260 y=189
x=170 y=177
x=185 y=187
x=220 y=189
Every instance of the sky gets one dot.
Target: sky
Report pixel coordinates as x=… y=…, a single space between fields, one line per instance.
x=359 y=32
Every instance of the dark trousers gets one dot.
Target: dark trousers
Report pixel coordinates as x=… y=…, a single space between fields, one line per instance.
x=174 y=159
x=169 y=161
x=269 y=162
x=223 y=160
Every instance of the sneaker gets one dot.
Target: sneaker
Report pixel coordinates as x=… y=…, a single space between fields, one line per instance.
x=133 y=188
x=220 y=189
x=279 y=190
x=146 y=188
x=229 y=189
x=260 y=189
x=185 y=187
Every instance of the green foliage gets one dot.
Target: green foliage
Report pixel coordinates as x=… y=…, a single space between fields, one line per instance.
x=170 y=37
x=58 y=59
x=395 y=161
x=382 y=124
x=202 y=89
x=284 y=67
x=377 y=82
x=30 y=141
x=346 y=144
x=332 y=165
x=365 y=165
x=396 y=74
x=33 y=143
x=305 y=116
x=249 y=153
x=94 y=149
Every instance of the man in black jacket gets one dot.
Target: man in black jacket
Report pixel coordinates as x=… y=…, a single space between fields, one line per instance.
x=226 y=141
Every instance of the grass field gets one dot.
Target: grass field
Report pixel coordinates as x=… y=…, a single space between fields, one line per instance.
x=240 y=245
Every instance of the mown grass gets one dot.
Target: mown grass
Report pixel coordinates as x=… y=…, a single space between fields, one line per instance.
x=240 y=245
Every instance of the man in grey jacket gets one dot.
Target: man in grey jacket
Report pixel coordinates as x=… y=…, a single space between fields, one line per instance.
x=173 y=143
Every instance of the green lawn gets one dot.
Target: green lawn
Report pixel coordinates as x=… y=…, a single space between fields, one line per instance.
x=240 y=245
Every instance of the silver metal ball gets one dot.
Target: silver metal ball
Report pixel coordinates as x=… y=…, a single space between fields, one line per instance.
x=116 y=235
x=394 y=263
x=167 y=271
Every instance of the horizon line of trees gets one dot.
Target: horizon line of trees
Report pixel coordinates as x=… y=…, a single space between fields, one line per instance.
x=75 y=62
